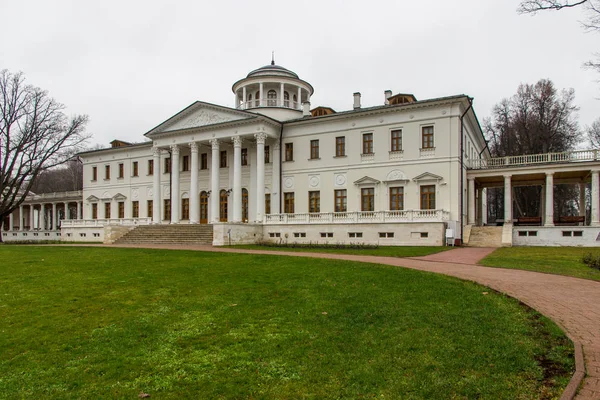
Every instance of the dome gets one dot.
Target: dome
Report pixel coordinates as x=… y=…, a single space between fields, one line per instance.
x=273 y=69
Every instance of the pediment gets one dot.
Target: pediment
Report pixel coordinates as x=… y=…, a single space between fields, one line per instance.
x=92 y=198
x=427 y=176
x=396 y=176
x=366 y=180
x=119 y=196
x=199 y=115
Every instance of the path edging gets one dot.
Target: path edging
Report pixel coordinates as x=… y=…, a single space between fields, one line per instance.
x=571 y=389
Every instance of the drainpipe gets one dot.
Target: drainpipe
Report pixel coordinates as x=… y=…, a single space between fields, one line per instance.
x=280 y=166
x=170 y=183
x=462 y=162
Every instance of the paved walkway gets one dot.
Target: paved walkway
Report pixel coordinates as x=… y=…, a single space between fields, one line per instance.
x=572 y=303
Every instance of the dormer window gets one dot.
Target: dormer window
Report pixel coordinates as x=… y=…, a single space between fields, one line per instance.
x=271 y=98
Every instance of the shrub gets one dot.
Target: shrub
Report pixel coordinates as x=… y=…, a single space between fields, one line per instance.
x=317 y=245
x=591 y=260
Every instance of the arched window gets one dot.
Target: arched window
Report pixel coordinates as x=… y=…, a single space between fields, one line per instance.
x=223 y=206
x=244 y=205
x=203 y=207
x=257 y=101
x=296 y=105
x=272 y=98
x=286 y=99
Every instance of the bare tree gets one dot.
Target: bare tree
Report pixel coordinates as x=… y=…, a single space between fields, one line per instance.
x=592 y=11
x=35 y=135
x=593 y=132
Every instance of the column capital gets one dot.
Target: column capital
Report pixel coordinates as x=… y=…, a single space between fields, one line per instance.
x=595 y=172
x=260 y=137
x=175 y=149
x=507 y=176
x=156 y=151
x=214 y=144
x=194 y=147
x=237 y=141
x=549 y=173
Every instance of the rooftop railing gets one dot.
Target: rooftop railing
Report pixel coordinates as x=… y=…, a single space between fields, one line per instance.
x=359 y=217
x=531 y=159
x=73 y=223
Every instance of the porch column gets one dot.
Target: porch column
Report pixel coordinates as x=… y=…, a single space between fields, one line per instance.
x=595 y=195
x=507 y=199
x=299 y=102
x=66 y=210
x=79 y=210
x=175 y=194
x=42 y=217
x=260 y=94
x=31 y=220
x=281 y=90
x=54 y=216
x=21 y=218
x=244 y=99
x=471 y=209
x=260 y=175
x=214 y=181
x=237 y=179
x=11 y=222
x=549 y=214
x=479 y=213
x=194 y=199
x=276 y=179
x=582 y=200
x=156 y=186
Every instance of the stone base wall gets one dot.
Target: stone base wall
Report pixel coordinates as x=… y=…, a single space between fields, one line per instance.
x=112 y=233
x=30 y=236
x=584 y=236
x=83 y=234
x=226 y=233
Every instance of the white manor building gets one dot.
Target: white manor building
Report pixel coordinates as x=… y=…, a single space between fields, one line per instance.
x=406 y=172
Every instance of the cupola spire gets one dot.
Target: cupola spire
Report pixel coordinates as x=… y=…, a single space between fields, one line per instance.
x=273 y=58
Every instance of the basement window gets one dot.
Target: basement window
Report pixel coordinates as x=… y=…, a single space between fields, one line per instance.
x=69 y=234
x=300 y=234
x=386 y=234
x=82 y=235
x=96 y=235
x=578 y=233
x=274 y=234
x=572 y=233
x=424 y=235
x=355 y=234
x=527 y=233
x=326 y=234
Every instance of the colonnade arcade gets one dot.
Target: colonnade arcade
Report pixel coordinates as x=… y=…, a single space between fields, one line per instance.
x=212 y=206
x=43 y=216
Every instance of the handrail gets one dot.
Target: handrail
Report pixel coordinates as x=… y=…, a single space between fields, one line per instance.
x=359 y=217
x=531 y=159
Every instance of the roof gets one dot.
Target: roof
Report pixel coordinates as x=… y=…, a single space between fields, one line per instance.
x=272 y=69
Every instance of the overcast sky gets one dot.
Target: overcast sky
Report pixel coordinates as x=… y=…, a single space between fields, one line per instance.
x=130 y=65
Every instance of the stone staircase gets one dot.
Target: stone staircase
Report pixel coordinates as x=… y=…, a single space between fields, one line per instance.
x=485 y=236
x=168 y=234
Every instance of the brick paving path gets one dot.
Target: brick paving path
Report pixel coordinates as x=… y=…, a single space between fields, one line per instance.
x=572 y=303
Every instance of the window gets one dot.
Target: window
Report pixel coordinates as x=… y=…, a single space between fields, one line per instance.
x=326 y=234
x=428 y=197
x=106 y=210
x=288 y=203
x=121 y=209
x=203 y=207
x=185 y=208
x=289 y=152
x=314 y=202
x=94 y=210
x=150 y=211
x=314 y=149
x=223 y=206
x=204 y=161
x=286 y=99
x=340 y=146
x=368 y=143
x=355 y=234
x=396 y=198
x=267 y=154
x=223 y=159
x=300 y=234
x=135 y=168
x=94 y=173
x=135 y=209
x=167 y=209
x=267 y=203
x=340 y=200
x=167 y=165
x=244 y=205
x=367 y=199
x=107 y=172
x=272 y=98
x=121 y=171
x=185 y=163
x=396 y=137
x=274 y=234
x=424 y=235
x=386 y=234
x=150 y=167
x=427 y=137
x=244 y=156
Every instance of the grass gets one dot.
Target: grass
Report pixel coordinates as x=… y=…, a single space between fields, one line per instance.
x=553 y=260
x=382 y=251
x=88 y=323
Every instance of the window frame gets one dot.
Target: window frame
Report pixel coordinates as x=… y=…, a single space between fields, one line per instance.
x=107 y=207
x=167 y=209
x=398 y=197
x=244 y=157
x=396 y=140
x=150 y=167
x=121 y=171
x=314 y=149
x=204 y=161
x=135 y=169
x=367 y=143
x=289 y=151
x=314 y=201
x=340 y=201
x=94 y=174
x=150 y=208
x=135 y=209
x=427 y=197
x=288 y=203
x=107 y=172
x=185 y=209
x=223 y=159
x=340 y=146
x=185 y=163
x=427 y=138
x=167 y=167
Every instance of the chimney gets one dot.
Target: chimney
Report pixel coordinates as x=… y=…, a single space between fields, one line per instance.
x=356 y=100
x=388 y=94
x=306 y=109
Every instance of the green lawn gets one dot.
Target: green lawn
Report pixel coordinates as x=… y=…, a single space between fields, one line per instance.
x=94 y=323
x=383 y=251
x=553 y=260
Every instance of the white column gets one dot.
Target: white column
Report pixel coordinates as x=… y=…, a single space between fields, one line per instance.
x=214 y=181
x=582 y=200
x=281 y=90
x=276 y=178
x=175 y=193
x=42 y=215
x=156 y=206
x=244 y=98
x=471 y=209
x=11 y=222
x=260 y=175
x=54 y=216
x=260 y=91
x=79 y=210
x=194 y=195
x=484 y=209
x=31 y=221
x=237 y=179
x=299 y=104
x=595 y=195
x=507 y=200
x=66 y=210
x=479 y=202
x=549 y=200
x=21 y=218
